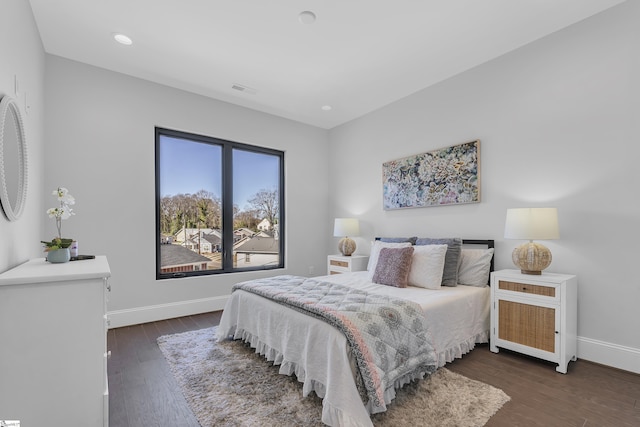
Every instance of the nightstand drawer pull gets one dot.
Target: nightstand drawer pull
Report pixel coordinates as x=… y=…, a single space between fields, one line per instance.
x=527 y=289
x=339 y=263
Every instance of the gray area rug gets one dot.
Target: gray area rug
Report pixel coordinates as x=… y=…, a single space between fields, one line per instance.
x=228 y=384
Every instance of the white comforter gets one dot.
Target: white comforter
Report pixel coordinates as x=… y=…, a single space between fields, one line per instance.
x=319 y=354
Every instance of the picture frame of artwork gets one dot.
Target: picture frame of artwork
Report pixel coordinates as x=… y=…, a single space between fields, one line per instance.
x=446 y=176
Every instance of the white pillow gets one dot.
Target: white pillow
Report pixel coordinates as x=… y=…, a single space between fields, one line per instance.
x=376 y=245
x=475 y=267
x=427 y=266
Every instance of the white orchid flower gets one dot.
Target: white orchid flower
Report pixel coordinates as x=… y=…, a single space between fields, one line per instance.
x=63 y=196
x=66 y=213
x=63 y=211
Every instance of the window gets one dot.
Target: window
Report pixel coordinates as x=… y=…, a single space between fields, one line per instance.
x=219 y=206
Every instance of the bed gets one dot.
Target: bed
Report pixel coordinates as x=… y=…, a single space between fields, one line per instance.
x=323 y=357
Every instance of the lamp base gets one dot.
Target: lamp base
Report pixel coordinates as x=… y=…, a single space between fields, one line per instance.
x=531 y=258
x=346 y=246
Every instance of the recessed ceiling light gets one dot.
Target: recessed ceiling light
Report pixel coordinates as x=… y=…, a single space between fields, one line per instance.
x=307 y=17
x=122 y=39
x=326 y=107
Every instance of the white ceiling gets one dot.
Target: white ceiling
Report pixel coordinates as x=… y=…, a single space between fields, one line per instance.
x=358 y=55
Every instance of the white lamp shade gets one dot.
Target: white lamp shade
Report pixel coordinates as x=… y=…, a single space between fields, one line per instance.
x=532 y=224
x=344 y=227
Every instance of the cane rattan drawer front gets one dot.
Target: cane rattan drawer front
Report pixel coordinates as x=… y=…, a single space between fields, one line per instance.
x=546 y=291
x=338 y=263
x=527 y=324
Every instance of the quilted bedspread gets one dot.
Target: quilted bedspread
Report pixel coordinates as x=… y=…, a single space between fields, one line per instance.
x=389 y=337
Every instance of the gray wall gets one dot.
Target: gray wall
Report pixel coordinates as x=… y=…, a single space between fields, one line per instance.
x=22 y=56
x=100 y=124
x=559 y=126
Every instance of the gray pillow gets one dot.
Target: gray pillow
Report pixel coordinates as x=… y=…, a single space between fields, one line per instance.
x=393 y=267
x=411 y=240
x=451 y=259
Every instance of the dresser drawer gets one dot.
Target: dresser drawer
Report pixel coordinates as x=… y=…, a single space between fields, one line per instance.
x=525 y=288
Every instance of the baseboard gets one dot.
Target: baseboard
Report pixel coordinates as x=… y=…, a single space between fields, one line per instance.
x=153 y=313
x=606 y=353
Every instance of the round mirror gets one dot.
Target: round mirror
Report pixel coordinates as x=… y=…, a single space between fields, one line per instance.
x=13 y=159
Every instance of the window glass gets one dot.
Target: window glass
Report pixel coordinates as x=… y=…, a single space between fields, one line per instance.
x=257 y=202
x=213 y=195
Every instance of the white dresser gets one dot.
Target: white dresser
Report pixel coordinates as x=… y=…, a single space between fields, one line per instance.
x=53 y=343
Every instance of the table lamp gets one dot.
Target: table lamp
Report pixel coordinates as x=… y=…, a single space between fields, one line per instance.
x=345 y=227
x=532 y=224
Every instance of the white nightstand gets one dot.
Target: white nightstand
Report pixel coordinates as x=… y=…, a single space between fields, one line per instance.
x=535 y=315
x=337 y=264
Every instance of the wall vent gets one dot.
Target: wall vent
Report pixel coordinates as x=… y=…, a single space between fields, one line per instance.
x=243 y=88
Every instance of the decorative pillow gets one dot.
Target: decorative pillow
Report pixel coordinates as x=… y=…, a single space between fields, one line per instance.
x=411 y=240
x=475 y=266
x=451 y=259
x=375 y=252
x=393 y=267
x=427 y=266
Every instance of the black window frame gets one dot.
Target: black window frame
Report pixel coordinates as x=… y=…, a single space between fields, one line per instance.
x=227 y=203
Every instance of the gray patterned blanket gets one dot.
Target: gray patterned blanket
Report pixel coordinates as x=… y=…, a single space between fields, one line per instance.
x=388 y=336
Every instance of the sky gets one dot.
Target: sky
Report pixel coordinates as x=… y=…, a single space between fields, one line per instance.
x=187 y=167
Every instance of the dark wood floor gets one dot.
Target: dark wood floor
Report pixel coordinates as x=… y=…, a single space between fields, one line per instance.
x=143 y=391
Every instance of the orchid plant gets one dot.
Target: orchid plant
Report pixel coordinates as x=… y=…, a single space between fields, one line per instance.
x=62 y=211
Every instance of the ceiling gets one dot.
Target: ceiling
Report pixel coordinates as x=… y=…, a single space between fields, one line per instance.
x=357 y=56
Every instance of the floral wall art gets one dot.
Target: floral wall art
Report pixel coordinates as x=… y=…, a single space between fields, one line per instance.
x=445 y=176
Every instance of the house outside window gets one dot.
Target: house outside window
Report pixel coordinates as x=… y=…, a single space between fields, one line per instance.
x=219 y=206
